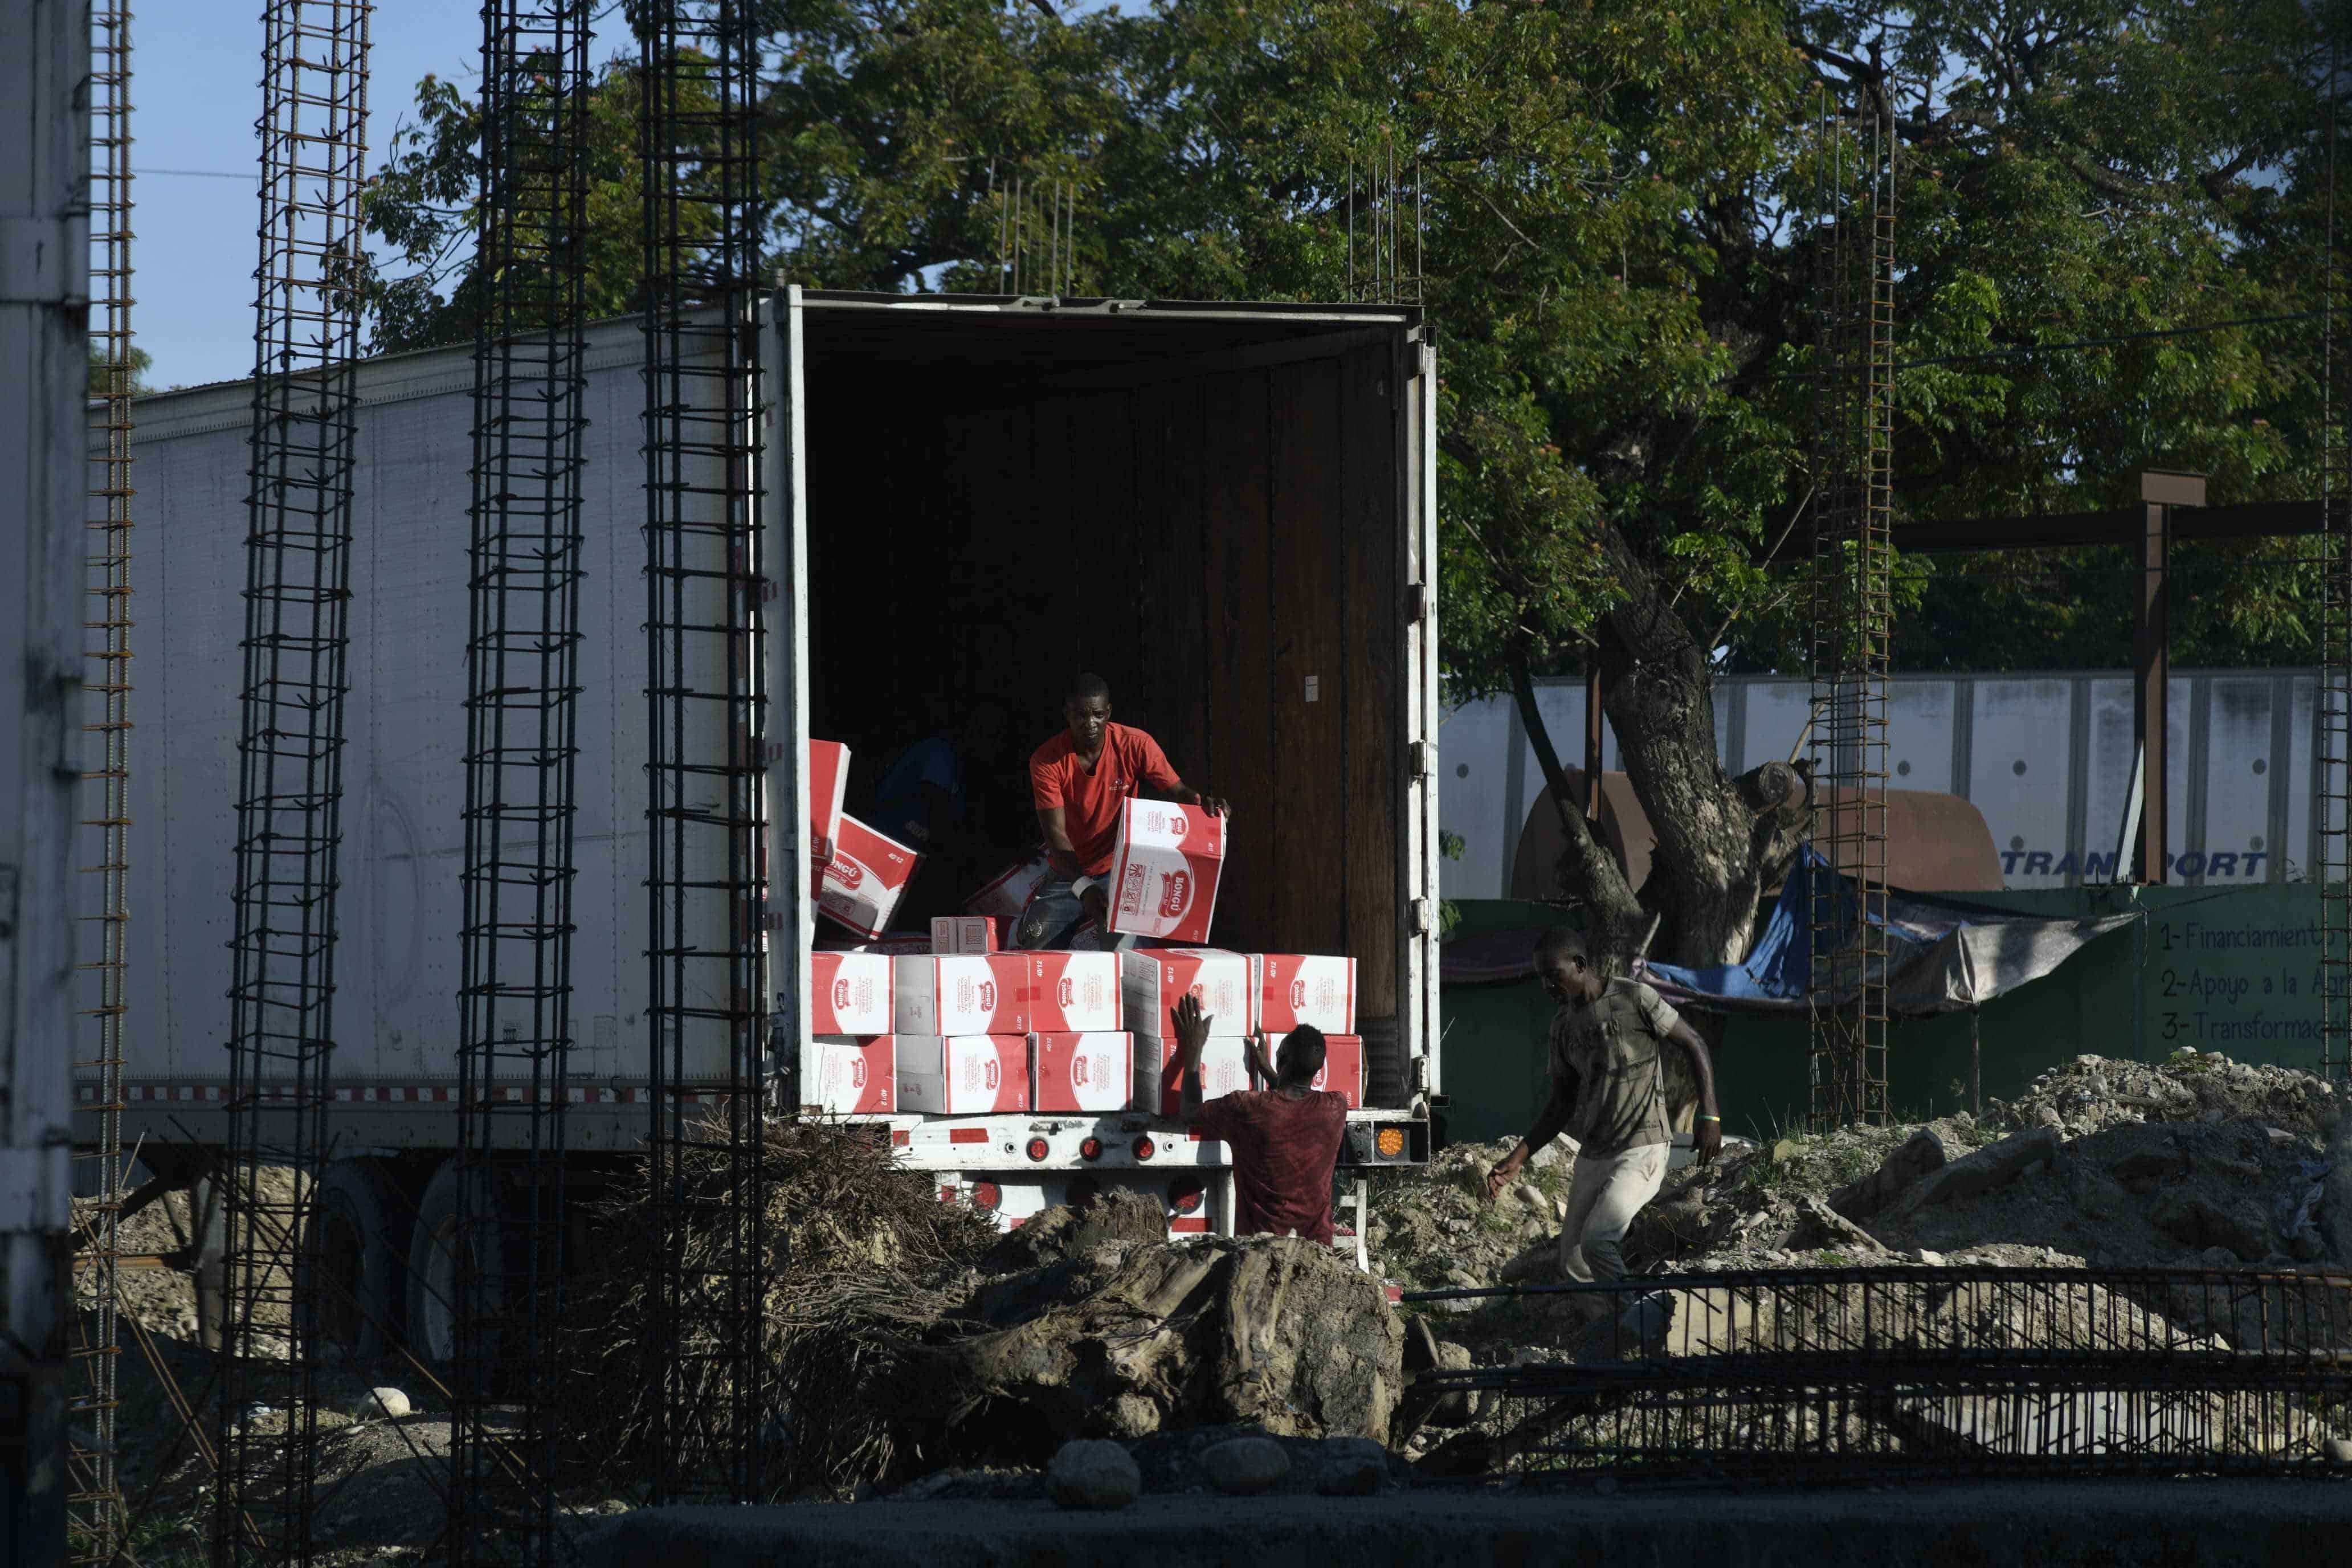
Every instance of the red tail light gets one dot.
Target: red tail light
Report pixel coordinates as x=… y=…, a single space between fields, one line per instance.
x=1038 y=1149
x=1185 y=1196
x=1145 y=1148
x=984 y=1196
x=1090 y=1150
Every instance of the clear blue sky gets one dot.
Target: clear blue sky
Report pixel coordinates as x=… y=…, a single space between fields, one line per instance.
x=196 y=92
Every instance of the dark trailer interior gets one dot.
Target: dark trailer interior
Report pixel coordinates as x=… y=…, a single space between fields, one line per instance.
x=1202 y=504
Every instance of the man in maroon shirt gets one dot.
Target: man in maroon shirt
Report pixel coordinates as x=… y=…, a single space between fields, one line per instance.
x=1285 y=1141
x=1079 y=780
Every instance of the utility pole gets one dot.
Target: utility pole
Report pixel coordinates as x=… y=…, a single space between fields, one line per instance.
x=44 y=371
x=2152 y=684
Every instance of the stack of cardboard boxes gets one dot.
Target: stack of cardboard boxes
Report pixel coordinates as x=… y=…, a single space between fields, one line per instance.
x=1061 y=1033
x=951 y=1026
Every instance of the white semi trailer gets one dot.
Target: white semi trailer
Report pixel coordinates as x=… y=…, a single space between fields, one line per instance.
x=1227 y=509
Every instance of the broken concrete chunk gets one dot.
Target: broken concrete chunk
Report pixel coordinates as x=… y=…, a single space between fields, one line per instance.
x=1996 y=1165
x=1245 y=1465
x=1921 y=1152
x=2196 y=1220
x=1093 y=1474
x=382 y=1402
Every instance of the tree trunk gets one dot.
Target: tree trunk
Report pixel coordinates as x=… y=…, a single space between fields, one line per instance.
x=1714 y=853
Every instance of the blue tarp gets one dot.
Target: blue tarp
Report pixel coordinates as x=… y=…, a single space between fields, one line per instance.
x=1941 y=954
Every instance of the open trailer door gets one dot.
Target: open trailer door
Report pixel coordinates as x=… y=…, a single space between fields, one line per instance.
x=791 y=911
x=1417 y=866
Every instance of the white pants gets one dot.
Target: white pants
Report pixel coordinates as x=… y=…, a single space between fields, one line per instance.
x=1603 y=1197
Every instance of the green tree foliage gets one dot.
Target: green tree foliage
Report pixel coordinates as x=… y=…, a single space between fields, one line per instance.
x=1614 y=250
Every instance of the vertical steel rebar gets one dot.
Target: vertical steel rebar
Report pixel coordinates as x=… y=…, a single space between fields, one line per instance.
x=2332 y=707
x=290 y=743
x=522 y=668
x=95 y=1497
x=1851 y=606
x=703 y=231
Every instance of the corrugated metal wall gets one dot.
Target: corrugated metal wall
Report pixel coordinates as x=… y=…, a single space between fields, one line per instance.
x=2047 y=757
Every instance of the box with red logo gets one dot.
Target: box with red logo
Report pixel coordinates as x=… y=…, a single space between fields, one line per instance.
x=1163 y=870
x=828 y=783
x=851 y=1076
x=1008 y=894
x=963 y=934
x=964 y=1075
x=1343 y=1068
x=849 y=994
x=1093 y=1071
x=964 y=995
x=1224 y=1069
x=1294 y=988
x=1153 y=980
x=867 y=875
x=1074 y=992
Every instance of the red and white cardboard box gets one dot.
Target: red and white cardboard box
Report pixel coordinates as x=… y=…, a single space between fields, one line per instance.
x=963 y=934
x=849 y=994
x=1153 y=982
x=1224 y=1069
x=866 y=877
x=1008 y=894
x=856 y=1075
x=1092 y=1071
x=963 y=994
x=1294 y=988
x=897 y=943
x=1163 y=870
x=828 y=783
x=1343 y=1068
x=1074 y=991
x=964 y=1075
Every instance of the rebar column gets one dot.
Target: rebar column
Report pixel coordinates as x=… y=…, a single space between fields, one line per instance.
x=523 y=681
x=1852 y=605
x=705 y=1014
x=96 y=1500
x=291 y=747
x=2332 y=710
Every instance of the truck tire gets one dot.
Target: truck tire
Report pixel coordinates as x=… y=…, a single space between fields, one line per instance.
x=438 y=1270
x=355 y=1252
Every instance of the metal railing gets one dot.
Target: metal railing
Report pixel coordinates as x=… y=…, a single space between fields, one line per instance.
x=1848 y=1371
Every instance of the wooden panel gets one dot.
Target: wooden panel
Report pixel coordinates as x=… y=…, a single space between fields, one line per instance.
x=1237 y=558
x=1374 y=619
x=1309 y=803
x=1170 y=606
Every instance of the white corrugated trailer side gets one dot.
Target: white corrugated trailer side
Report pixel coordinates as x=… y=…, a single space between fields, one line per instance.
x=1228 y=509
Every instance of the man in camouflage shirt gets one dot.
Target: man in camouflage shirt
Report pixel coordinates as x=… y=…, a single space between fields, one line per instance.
x=1608 y=1092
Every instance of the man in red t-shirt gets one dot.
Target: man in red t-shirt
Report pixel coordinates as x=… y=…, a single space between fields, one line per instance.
x=1285 y=1141
x=1078 y=781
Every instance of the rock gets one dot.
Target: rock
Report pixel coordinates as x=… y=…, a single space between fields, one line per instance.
x=1784 y=1150
x=1462 y=1280
x=1090 y=1474
x=2338 y=1450
x=1062 y=1231
x=1352 y=1478
x=1122 y=1342
x=1528 y=1194
x=2195 y=1220
x=1921 y=1152
x=2046 y=1117
x=1995 y=1166
x=1539 y=1263
x=1364 y=1447
x=377 y=1401
x=1245 y=1465
x=1836 y=1229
